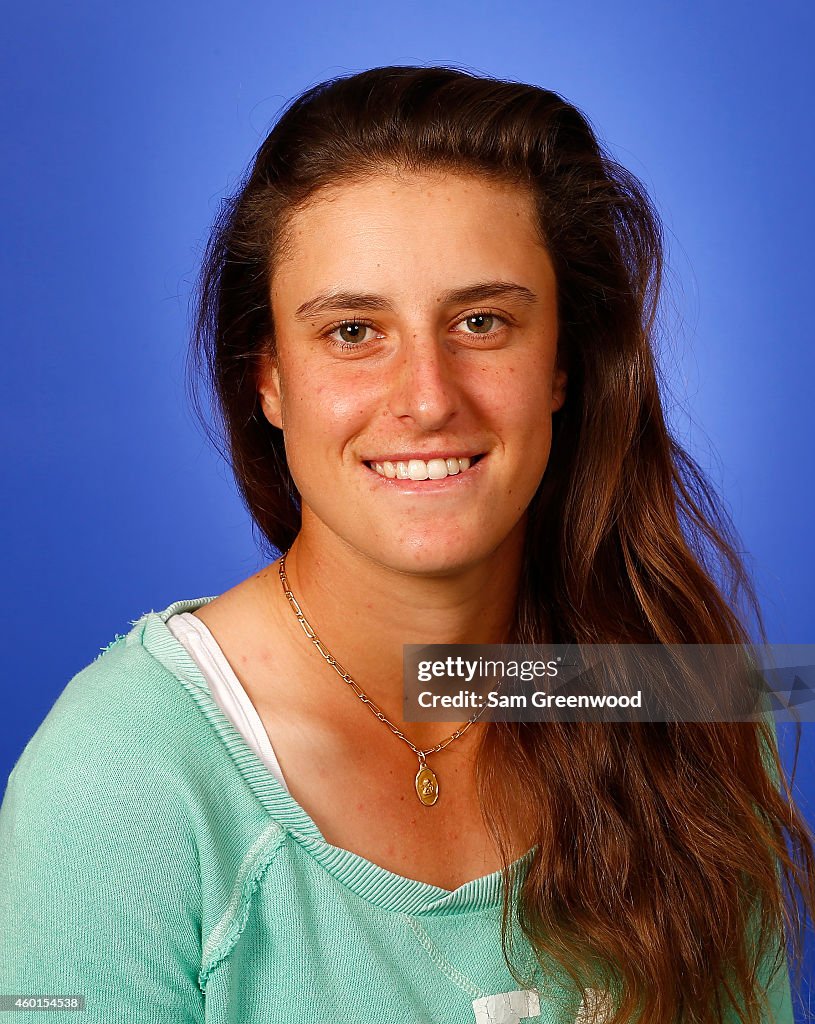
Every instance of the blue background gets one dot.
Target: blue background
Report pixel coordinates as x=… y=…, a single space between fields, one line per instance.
x=124 y=128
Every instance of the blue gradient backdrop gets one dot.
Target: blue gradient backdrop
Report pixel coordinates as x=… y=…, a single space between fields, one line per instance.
x=124 y=127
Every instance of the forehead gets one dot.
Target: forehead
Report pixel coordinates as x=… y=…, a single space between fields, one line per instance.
x=419 y=229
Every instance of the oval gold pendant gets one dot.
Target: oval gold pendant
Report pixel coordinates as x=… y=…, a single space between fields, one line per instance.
x=427 y=786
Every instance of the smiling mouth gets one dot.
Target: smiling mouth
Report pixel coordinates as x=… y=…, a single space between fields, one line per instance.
x=419 y=469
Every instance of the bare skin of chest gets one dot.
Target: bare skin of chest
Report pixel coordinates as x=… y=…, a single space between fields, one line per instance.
x=362 y=797
x=355 y=778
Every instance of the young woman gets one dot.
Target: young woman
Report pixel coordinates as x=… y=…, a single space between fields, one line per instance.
x=427 y=319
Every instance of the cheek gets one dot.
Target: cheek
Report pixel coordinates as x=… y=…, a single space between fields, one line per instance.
x=518 y=395
x=323 y=409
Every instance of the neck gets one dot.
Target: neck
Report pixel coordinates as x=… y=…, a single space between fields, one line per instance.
x=363 y=612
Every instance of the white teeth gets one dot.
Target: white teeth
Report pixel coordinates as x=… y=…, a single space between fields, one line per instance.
x=418 y=469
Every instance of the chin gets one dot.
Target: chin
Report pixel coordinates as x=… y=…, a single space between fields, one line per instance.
x=432 y=558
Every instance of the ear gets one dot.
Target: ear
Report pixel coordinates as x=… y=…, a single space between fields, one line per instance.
x=559 y=380
x=269 y=391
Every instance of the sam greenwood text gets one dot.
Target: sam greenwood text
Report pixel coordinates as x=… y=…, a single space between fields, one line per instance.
x=537 y=699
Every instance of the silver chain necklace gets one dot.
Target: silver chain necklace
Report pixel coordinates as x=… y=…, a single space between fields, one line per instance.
x=426 y=782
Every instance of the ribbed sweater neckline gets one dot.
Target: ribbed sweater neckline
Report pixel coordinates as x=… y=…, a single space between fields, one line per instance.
x=372 y=882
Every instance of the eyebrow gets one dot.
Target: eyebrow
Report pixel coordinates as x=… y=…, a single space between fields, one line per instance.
x=464 y=296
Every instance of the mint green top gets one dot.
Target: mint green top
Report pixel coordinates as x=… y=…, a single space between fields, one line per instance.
x=151 y=862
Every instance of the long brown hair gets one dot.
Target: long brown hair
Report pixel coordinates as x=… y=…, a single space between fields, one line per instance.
x=662 y=871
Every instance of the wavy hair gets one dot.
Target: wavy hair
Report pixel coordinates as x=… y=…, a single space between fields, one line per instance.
x=662 y=870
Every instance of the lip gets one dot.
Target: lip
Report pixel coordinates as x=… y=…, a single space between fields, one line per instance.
x=449 y=484
x=437 y=453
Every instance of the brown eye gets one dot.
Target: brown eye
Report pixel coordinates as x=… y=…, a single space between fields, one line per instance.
x=352 y=333
x=481 y=323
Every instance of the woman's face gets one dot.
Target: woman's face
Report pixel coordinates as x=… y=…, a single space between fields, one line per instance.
x=416 y=323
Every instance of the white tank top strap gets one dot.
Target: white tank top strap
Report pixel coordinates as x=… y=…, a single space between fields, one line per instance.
x=225 y=686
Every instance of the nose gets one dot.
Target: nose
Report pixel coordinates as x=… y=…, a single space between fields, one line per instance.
x=423 y=385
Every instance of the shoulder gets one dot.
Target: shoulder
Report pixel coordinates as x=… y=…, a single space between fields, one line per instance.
x=126 y=817
x=124 y=723
x=101 y=867
x=101 y=791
